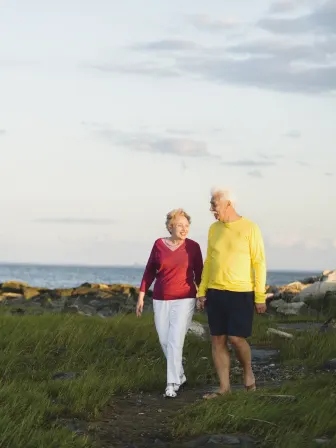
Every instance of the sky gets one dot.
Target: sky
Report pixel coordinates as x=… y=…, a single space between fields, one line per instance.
x=113 y=113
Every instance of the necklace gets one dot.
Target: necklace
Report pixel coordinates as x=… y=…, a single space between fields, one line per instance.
x=171 y=244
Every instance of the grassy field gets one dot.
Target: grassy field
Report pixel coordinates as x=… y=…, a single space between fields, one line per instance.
x=112 y=356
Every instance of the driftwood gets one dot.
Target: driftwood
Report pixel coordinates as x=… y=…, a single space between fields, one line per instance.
x=282 y=334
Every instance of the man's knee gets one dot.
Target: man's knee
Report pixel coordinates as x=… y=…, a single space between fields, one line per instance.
x=237 y=341
x=218 y=342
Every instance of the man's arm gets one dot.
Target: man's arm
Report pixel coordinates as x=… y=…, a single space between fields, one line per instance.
x=203 y=287
x=258 y=260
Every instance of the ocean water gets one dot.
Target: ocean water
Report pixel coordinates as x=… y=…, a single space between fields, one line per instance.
x=71 y=276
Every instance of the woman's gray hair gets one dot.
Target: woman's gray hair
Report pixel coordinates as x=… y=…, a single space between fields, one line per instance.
x=172 y=215
x=224 y=194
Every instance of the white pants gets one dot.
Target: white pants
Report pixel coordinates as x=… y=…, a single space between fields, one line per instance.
x=172 y=320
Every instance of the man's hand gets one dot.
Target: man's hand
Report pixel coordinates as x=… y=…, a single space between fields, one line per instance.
x=260 y=308
x=139 y=307
x=200 y=304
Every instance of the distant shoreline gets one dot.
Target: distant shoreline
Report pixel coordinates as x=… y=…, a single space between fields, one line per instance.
x=134 y=266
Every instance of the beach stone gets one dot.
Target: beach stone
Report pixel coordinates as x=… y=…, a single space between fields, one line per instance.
x=197 y=329
x=330 y=365
x=30 y=293
x=218 y=440
x=13 y=300
x=78 y=427
x=14 y=286
x=322 y=441
x=292 y=309
x=319 y=289
x=86 y=310
x=275 y=304
x=65 y=375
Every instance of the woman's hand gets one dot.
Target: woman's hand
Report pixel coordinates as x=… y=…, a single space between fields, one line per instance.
x=140 y=304
x=200 y=304
x=139 y=308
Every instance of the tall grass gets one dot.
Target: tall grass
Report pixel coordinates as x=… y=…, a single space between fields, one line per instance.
x=113 y=356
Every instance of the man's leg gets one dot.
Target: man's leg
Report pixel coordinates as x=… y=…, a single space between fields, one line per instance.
x=217 y=319
x=243 y=353
x=221 y=358
x=240 y=328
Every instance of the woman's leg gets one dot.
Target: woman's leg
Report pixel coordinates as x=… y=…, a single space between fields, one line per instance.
x=161 y=319
x=180 y=317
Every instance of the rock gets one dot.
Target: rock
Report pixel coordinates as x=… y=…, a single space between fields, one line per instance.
x=220 y=440
x=14 y=286
x=275 y=304
x=328 y=325
x=319 y=289
x=11 y=296
x=197 y=329
x=76 y=426
x=65 y=375
x=14 y=300
x=330 y=365
x=86 y=310
x=292 y=309
x=322 y=441
x=30 y=293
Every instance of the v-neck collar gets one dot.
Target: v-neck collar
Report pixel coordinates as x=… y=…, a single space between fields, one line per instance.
x=170 y=250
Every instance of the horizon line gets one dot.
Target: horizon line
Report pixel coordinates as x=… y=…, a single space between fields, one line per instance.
x=134 y=265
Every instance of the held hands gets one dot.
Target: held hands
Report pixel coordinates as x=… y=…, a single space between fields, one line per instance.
x=260 y=308
x=200 y=304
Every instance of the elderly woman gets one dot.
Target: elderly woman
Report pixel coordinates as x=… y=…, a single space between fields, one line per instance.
x=176 y=264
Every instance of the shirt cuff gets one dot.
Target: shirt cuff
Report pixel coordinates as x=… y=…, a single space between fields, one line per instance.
x=259 y=297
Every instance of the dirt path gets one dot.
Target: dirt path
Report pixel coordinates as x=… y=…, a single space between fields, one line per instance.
x=140 y=420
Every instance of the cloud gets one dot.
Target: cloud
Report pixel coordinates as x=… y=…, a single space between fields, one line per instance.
x=166 y=45
x=247 y=162
x=328 y=174
x=303 y=60
x=2 y=131
x=293 y=133
x=203 y=22
x=255 y=173
x=153 y=143
x=179 y=132
x=86 y=221
x=303 y=163
x=281 y=6
x=320 y=20
x=275 y=156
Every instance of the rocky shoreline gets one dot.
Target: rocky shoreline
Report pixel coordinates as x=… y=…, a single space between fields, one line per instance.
x=307 y=297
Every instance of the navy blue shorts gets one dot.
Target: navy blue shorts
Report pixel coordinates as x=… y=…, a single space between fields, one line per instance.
x=230 y=313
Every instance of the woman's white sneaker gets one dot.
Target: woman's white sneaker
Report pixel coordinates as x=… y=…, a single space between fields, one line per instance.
x=170 y=391
x=183 y=381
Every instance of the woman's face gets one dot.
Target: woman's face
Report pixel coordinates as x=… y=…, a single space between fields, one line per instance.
x=180 y=228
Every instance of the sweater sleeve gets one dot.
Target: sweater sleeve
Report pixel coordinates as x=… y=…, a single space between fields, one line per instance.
x=203 y=287
x=150 y=272
x=258 y=260
x=198 y=264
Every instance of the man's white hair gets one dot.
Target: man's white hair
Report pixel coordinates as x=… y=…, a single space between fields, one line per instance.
x=224 y=193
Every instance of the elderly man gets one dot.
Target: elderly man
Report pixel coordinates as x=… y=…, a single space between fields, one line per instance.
x=233 y=285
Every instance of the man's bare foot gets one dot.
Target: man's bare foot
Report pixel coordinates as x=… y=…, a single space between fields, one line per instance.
x=249 y=382
x=212 y=395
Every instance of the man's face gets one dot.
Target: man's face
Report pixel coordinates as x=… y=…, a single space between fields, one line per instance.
x=218 y=207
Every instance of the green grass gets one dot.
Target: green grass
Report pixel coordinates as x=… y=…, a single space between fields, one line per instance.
x=122 y=354
x=280 y=424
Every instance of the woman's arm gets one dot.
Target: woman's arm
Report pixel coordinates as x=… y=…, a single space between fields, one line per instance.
x=150 y=272
x=198 y=265
x=147 y=280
